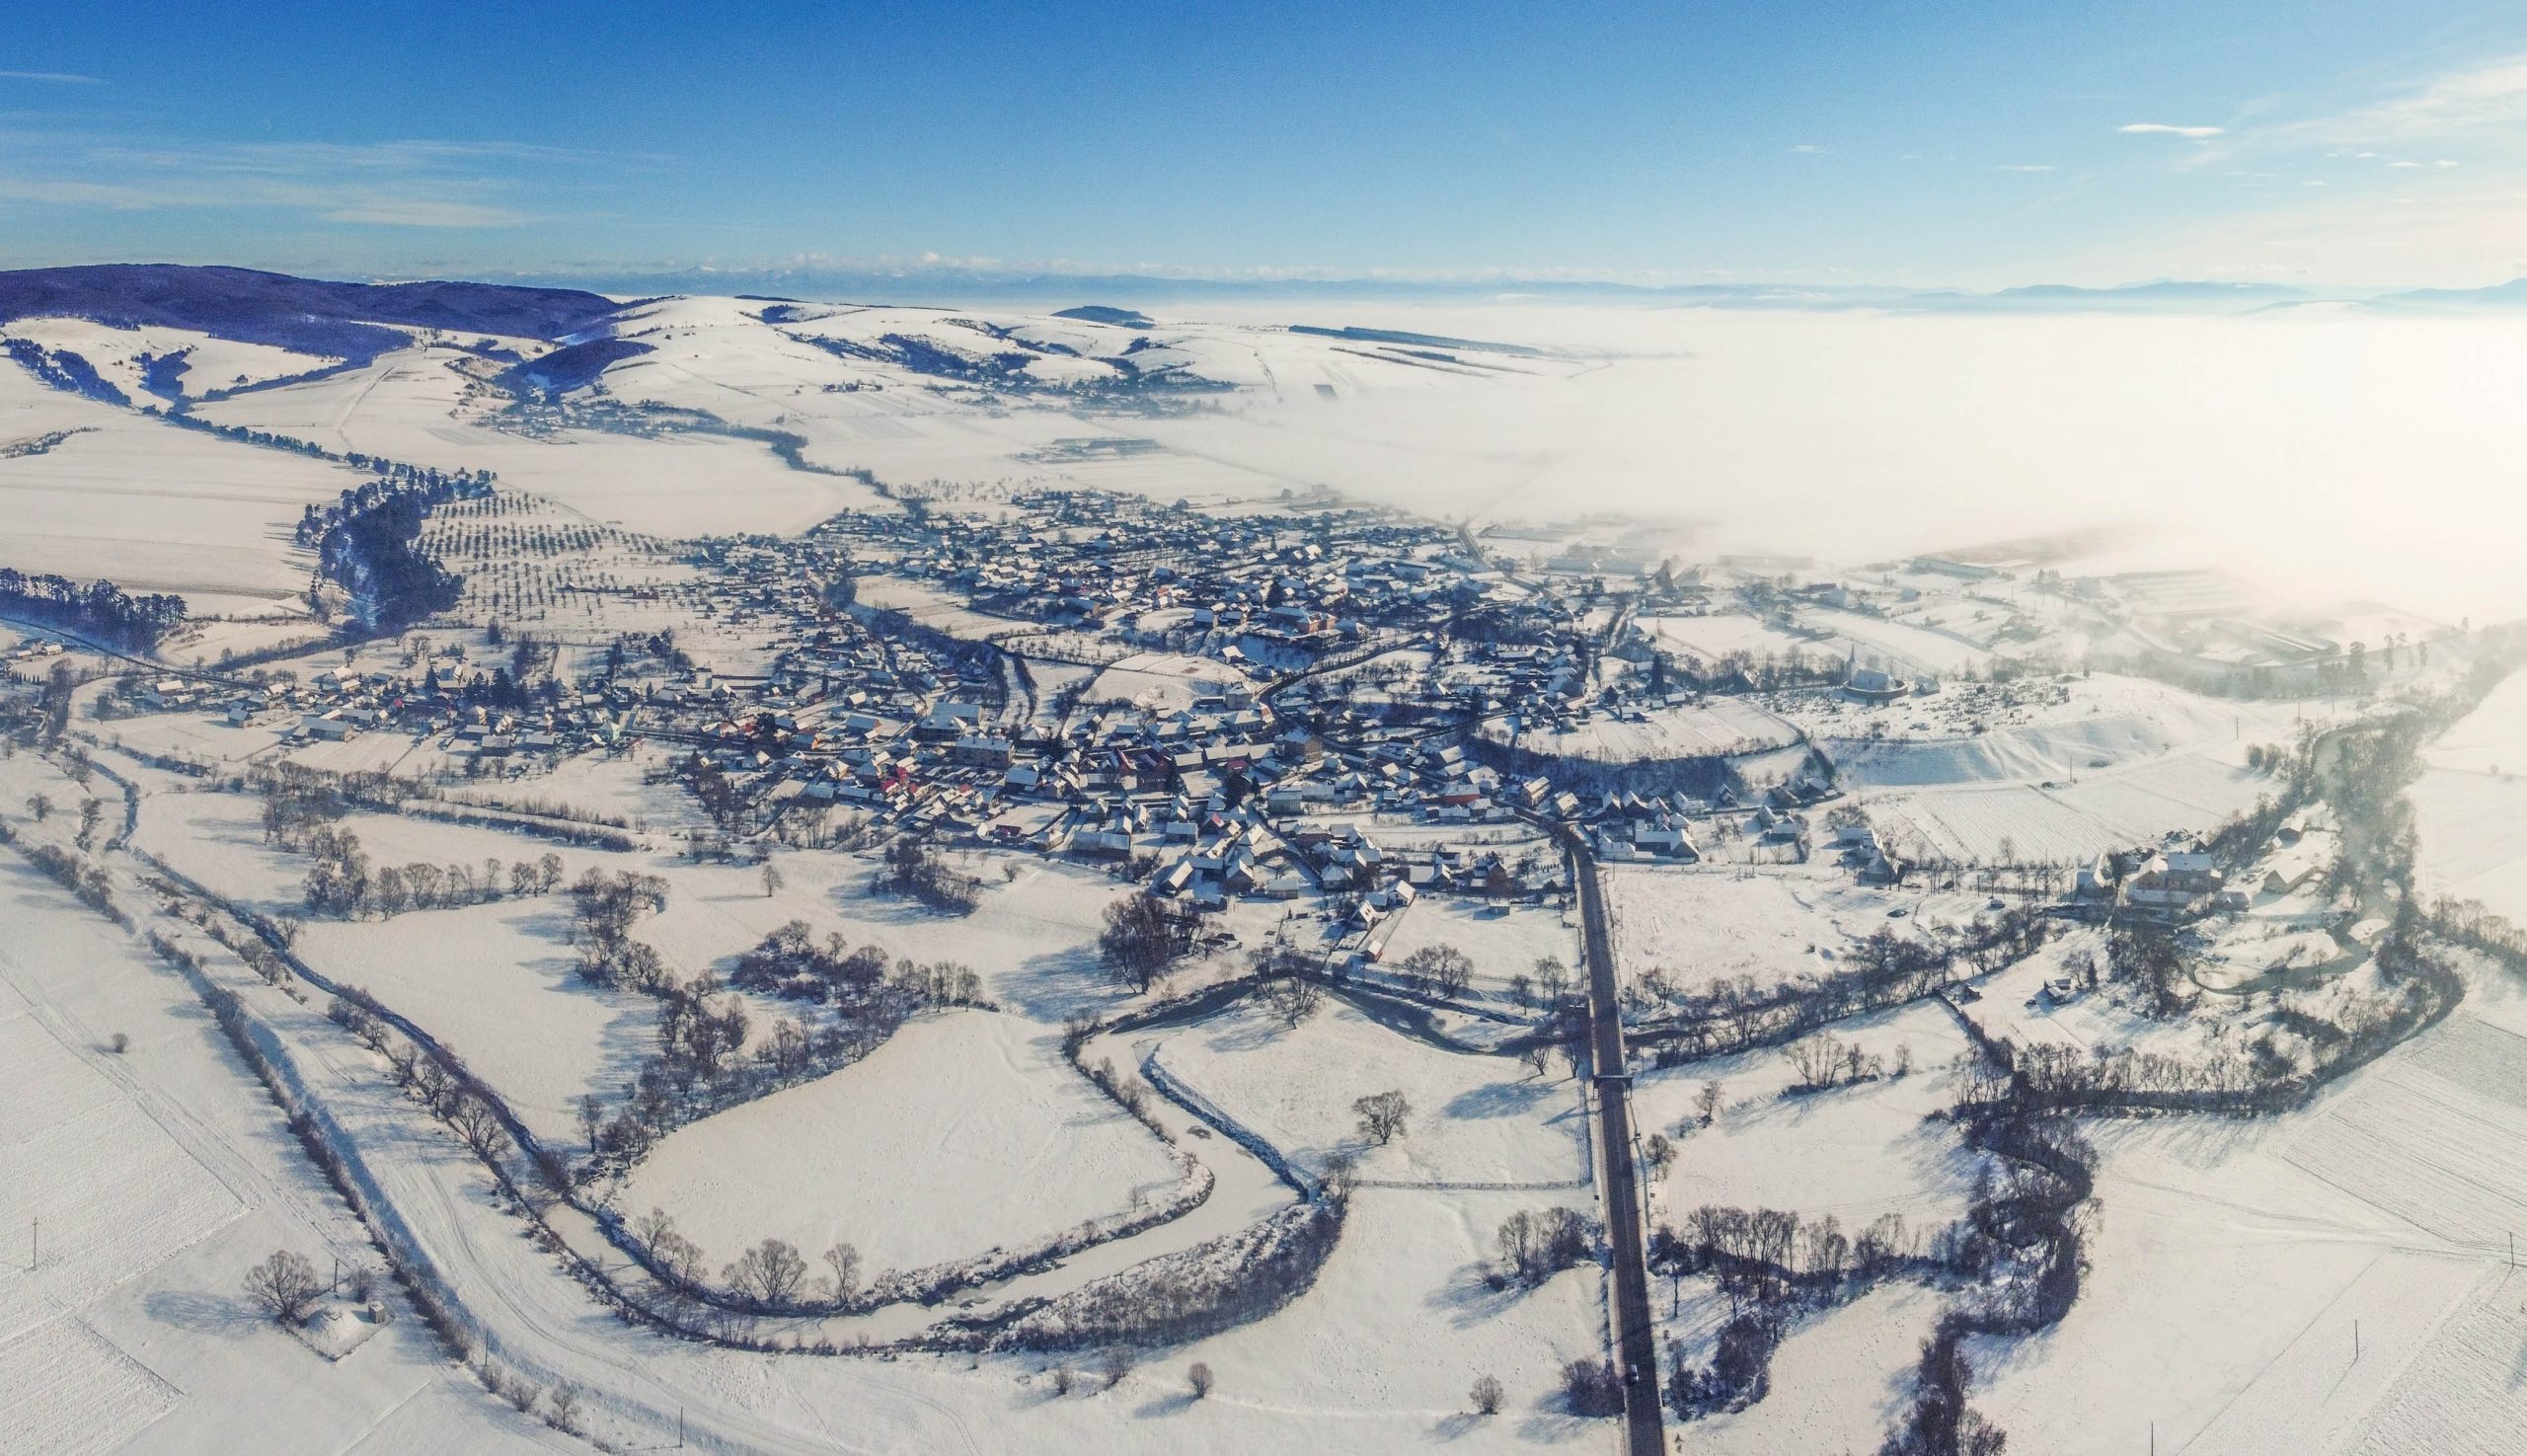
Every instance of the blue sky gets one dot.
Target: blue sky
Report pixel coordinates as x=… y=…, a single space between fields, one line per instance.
x=1918 y=143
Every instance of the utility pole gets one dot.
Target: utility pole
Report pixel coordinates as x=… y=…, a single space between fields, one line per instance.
x=2355 y=1339
x=34 y=1244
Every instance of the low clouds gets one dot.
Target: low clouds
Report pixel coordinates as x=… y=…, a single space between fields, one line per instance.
x=53 y=78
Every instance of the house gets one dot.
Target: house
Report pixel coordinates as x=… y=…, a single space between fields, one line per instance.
x=981 y=750
x=2172 y=880
x=2289 y=871
x=328 y=727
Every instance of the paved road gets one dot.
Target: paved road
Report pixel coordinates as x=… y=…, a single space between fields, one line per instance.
x=1636 y=1350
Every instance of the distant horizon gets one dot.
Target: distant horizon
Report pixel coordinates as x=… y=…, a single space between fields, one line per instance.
x=1156 y=284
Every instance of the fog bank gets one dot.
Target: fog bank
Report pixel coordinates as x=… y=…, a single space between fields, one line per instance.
x=2323 y=452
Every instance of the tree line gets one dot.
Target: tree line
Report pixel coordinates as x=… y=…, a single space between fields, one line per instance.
x=99 y=609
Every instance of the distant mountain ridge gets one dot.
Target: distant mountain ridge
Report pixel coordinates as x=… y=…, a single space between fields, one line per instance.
x=308 y=315
x=356 y=322
x=2133 y=298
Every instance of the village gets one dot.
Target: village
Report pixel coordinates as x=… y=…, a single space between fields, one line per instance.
x=1101 y=924
x=1217 y=815
x=1297 y=720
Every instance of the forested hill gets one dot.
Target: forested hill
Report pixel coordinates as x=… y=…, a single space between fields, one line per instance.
x=310 y=315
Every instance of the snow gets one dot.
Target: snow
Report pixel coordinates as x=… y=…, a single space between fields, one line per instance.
x=1839 y=1382
x=67 y=1390
x=152 y=507
x=2021 y=822
x=212 y=364
x=161 y=1173
x=161 y=1198
x=1163 y=682
x=418 y=406
x=1391 y=1335
x=1904 y=647
x=1713 y=637
x=1474 y=1119
x=1701 y=927
x=1502 y=939
x=964 y=1132
x=2470 y=812
x=1721 y=725
x=2231 y=1260
x=1855 y=1152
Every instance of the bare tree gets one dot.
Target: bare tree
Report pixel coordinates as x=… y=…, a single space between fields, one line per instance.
x=1707 y=1103
x=1382 y=1116
x=1340 y=1168
x=480 y=1126
x=38 y=806
x=1538 y=1056
x=1113 y=1363
x=1293 y=998
x=680 y=1259
x=284 y=1285
x=772 y=880
x=1486 y=1394
x=844 y=1260
x=1139 y=938
x=770 y=1273
x=1198 y=1376
x=1064 y=1377
x=1438 y=970
x=654 y=1225
x=1658 y=1153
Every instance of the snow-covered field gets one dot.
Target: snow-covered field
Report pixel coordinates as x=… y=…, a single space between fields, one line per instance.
x=2232 y=1260
x=152 y=507
x=1903 y=646
x=1698 y=926
x=964 y=1132
x=2116 y=762
x=160 y=1174
x=1502 y=939
x=2470 y=808
x=1721 y=725
x=1839 y=1381
x=1163 y=682
x=209 y=362
x=1380 y=1354
x=2021 y=822
x=1474 y=1119
x=416 y=405
x=1854 y=1152
x=1716 y=636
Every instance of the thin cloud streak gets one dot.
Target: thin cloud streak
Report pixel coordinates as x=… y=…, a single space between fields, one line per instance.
x=409 y=183
x=2161 y=129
